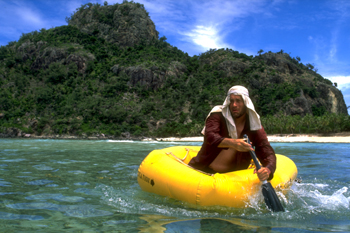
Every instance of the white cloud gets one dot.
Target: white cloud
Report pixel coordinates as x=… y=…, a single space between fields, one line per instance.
x=25 y=16
x=342 y=81
x=28 y=16
x=170 y=17
x=344 y=85
x=329 y=48
x=204 y=24
x=333 y=52
x=221 y=12
x=206 y=37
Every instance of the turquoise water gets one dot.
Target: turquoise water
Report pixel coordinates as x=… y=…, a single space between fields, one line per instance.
x=91 y=186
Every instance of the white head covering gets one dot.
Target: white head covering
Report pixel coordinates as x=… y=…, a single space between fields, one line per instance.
x=254 y=118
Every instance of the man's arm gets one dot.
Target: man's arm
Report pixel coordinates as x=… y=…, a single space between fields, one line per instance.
x=237 y=144
x=212 y=129
x=265 y=153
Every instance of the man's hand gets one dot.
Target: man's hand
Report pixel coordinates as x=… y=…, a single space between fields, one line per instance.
x=263 y=173
x=241 y=145
x=237 y=144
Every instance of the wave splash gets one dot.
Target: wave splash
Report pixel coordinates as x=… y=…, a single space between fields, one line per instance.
x=316 y=197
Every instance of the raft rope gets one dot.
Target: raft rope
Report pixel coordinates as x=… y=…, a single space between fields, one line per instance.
x=182 y=161
x=188 y=151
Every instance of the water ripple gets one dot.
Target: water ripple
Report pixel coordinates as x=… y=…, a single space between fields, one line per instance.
x=57 y=197
x=80 y=211
x=13 y=160
x=11 y=216
x=77 y=172
x=5 y=184
x=81 y=183
x=88 y=191
x=39 y=182
x=43 y=167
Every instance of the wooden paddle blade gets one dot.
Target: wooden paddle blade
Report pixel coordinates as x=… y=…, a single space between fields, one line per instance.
x=271 y=199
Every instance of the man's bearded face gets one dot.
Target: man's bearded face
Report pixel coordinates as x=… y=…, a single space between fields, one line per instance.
x=237 y=107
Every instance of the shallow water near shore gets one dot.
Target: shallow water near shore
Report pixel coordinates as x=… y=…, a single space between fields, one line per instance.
x=91 y=186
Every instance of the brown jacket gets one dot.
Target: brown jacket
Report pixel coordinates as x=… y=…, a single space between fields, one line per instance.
x=216 y=130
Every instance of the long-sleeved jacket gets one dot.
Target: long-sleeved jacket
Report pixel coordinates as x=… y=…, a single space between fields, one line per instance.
x=216 y=130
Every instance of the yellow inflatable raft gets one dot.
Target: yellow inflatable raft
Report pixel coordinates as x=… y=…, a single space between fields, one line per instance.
x=165 y=172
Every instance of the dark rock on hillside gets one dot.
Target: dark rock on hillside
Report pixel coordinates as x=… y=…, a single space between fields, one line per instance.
x=124 y=24
x=11 y=132
x=47 y=56
x=44 y=55
x=232 y=67
x=79 y=60
x=29 y=49
x=144 y=77
x=281 y=61
x=330 y=98
x=151 y=78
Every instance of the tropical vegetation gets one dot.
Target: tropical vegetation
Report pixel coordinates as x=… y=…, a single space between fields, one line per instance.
x=60 y=97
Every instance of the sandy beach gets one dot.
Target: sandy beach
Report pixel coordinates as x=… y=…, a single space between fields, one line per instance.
x=343 y=137
x=334 y=138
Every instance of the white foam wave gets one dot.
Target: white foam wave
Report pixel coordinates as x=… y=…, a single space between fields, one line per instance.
x=154 y=141
x=146 y=141
x=321 y=196
x=120 y=141
x=337 y=199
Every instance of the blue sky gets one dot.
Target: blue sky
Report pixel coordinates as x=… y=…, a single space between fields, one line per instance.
x=317 y=31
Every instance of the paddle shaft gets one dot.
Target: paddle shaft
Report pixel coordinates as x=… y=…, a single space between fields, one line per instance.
x=252 y=154
x=269 y=193
x=255 y=159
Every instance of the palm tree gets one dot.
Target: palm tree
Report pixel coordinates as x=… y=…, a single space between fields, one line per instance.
x=291 y=123
x=298 y=121
x=324 y=122
x=307 y=119
x=280 y=121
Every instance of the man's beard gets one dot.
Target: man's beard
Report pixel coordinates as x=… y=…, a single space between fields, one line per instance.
x=238 y=115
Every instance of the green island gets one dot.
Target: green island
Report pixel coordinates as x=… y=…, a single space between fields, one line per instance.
x=108 y=73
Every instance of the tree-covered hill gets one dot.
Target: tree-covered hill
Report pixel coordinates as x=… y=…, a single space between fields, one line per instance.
x=107 y=72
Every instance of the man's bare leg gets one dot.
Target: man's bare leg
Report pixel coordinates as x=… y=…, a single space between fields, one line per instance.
x=224 y=162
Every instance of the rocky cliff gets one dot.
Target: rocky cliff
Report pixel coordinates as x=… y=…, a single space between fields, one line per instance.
x=315 y=91
x=43 y=55
x=277 y=81
x=124 y=24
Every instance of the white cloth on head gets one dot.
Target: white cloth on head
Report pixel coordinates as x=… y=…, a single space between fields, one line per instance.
x=254 y=118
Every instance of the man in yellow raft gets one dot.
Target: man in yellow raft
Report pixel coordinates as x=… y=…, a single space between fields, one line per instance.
x=224 y=149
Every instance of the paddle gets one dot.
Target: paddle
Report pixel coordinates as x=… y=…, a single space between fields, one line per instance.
x=270 y=196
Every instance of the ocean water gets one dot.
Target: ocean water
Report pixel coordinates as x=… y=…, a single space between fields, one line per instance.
x=91 y=186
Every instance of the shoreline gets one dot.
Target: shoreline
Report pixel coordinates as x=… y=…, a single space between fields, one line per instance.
x=309 y=138
x=343 y=137
x=335 y=138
